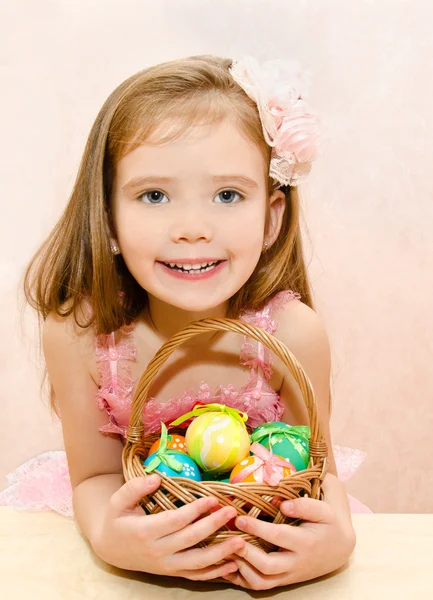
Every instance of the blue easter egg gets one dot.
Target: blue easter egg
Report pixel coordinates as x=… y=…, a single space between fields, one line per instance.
x=190 y=469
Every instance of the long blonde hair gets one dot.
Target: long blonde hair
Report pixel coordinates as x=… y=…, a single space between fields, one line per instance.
x=76 y=262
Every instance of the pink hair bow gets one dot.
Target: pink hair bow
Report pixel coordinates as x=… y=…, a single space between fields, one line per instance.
x=271 y=464
x=290 y=126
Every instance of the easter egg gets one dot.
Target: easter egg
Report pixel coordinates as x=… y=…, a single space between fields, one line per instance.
x=174 y=441
x=291 y=443
x=256 y=475
x=190 y=470
x=217 y=441
x=223 y=477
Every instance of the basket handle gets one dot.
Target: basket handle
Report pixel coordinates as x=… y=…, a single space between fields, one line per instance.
x=135 y=432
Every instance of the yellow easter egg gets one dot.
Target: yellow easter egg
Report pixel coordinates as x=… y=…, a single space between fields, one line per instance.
x=174 y=441
x=217 y=441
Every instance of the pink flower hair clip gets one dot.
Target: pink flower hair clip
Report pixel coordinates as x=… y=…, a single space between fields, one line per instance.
x=290 y=126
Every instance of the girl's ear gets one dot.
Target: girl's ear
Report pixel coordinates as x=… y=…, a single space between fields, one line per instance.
x=277 y=206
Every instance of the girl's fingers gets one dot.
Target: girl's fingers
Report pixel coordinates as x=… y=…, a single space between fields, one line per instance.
x=274 y=563
x=169 y=522
x=201 y=558
x=256 y=580
x=126 y=498
x=212 y=572
x=308 y=509
x=196 y=532
x=236 y=579
x=289 y=537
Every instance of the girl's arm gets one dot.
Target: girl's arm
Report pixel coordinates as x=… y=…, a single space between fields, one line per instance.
x=105 y=506
x=326 y=538
x=94 y=460
x=302 y=331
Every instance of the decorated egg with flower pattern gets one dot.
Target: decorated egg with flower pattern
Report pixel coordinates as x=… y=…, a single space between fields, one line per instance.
x=291 y=443
x=217 y=441
x=251 y=469
x=185 y=466
x=174 y=441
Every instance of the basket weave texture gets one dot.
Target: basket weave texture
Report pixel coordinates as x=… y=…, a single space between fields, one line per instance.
x=250 y=499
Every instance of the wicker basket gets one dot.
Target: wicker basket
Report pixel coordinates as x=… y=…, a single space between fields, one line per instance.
x=254 y=497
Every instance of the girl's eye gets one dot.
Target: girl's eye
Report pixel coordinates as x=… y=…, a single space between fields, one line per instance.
x=226 y=197
x=156 y=197
x=152 y=197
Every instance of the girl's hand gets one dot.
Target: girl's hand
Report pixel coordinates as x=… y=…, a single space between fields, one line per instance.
x=315 y=548
x=159 y=543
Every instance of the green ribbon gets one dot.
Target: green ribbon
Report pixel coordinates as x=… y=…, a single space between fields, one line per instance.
x=165 y=455
x=199 y=410
x=276 y=433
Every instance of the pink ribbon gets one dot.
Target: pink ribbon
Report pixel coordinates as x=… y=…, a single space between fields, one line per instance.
x=272 y=475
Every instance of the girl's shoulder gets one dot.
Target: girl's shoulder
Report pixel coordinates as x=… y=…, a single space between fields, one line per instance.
x=267 y=318
x=281 y=299
x=69 y=338
x=69 y=327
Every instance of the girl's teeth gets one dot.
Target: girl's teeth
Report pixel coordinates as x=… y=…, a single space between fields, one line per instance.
x=189 y=267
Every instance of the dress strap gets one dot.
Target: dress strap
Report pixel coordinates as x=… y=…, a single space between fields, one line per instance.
x=115 y=377
x=260 y=368
x=258 y=356
x=113 y=361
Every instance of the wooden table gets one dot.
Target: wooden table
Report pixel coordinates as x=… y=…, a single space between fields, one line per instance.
x=43 y=557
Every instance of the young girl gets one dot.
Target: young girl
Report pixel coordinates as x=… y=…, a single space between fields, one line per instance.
x=185 y=207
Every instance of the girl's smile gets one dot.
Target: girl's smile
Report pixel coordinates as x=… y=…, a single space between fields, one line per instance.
x=203 y=269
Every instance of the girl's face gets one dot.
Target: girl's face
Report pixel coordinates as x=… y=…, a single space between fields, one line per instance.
x=197 y=200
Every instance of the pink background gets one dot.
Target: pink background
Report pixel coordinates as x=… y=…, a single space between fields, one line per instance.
x=368 y=208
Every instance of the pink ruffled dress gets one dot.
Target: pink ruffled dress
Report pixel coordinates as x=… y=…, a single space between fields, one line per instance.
x=43 y=482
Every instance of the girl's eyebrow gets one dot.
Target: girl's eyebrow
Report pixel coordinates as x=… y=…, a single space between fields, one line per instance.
x=139 y=181
x=242 y=179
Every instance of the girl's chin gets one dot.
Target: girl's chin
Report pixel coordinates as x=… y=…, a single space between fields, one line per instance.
x=206 y=303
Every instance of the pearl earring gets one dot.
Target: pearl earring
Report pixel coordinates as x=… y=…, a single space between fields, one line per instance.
x=265 y=246
x=114 y=247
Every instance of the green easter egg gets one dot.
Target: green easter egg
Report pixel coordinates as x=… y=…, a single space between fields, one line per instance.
x=293 y=450
x=294 y=446
x=223 y=477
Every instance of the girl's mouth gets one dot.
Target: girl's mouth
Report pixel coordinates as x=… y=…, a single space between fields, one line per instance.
x=193 y=271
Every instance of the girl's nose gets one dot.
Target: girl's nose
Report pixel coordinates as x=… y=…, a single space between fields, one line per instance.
x=191 y=226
